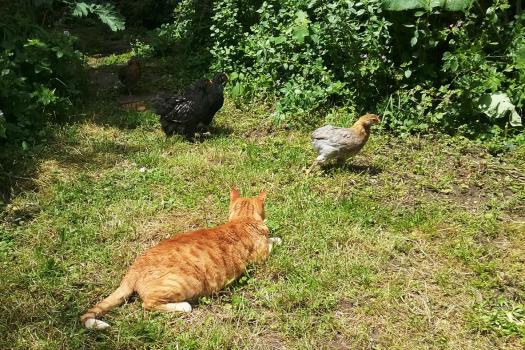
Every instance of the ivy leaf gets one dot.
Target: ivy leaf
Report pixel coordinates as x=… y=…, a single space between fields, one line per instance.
x=301 y=17
x=497 y=106
x=237 y=90
x=279 y=39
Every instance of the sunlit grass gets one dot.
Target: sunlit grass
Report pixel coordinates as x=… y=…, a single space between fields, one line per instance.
x=410 y=246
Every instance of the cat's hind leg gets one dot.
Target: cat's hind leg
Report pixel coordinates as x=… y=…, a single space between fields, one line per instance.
x=175 y=307
x=170 y=307
x=272 y=241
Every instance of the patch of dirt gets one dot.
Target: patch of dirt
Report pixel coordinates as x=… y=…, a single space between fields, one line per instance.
x=345 y=307
x=152 y=232
x=19 y=215
x=366 y=337
x=268 y=341
x=103 y=78
x=338 y=343
x=263 y=131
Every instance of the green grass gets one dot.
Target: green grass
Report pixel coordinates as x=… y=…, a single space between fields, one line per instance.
x=418 y=244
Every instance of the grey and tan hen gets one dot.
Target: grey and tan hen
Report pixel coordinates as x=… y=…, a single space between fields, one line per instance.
x=339 y=144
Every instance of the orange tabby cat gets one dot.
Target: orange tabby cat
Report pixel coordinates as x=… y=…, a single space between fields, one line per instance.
x=193 y=264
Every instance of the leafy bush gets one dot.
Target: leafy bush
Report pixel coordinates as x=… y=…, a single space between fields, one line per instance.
x=308 y=54
x=424 y=68
x=40 y=76
x=40 y=70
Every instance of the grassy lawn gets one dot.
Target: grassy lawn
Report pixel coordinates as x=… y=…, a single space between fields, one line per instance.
x=418 y=244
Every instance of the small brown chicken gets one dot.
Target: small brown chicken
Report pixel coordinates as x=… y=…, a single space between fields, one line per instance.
x=130 y=75
x=333 y=143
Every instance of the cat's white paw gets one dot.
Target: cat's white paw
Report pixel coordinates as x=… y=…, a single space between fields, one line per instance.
x=276 y=240
x=179 y=307
x=93 y=323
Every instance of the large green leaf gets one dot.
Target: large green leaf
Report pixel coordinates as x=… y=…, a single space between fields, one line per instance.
x=107 y=15
x=105 y=12
x=498 y=105
x=449 y=5
x=300 y=31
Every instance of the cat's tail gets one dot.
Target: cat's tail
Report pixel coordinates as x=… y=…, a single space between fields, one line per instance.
x=113 y=300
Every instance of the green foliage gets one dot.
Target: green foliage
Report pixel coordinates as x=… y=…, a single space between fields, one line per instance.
x=424 y=66
x=41 y=74
x=505 y=318
x=142 y=49
x=105 y=12
x=40 y=70
x=191 y=25
x=307 y=55
x=188 y=36
x=449 y=5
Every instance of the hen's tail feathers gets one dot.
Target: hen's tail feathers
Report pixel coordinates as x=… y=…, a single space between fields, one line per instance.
x=164 y=104
x=113 y=300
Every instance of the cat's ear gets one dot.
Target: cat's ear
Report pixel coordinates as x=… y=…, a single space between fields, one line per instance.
x=262 y=196
x=234 y=193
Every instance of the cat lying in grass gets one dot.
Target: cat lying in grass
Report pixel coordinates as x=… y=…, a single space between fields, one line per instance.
x=193 y=264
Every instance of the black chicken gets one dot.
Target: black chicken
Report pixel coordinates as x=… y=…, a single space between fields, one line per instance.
x=183 y=114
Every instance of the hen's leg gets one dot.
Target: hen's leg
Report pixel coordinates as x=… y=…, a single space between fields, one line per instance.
x=320 y=160
x=340 y=162
x=189 y=134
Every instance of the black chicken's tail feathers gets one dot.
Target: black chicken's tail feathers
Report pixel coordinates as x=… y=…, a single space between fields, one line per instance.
x=163 y=105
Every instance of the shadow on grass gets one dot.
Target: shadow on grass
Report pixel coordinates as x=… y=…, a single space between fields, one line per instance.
x=102 y=105
x=19 y=168
x=353 y=168
x=17 y=171
x=217 y=131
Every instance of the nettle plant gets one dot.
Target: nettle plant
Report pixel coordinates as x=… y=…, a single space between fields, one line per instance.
x=308 y=54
